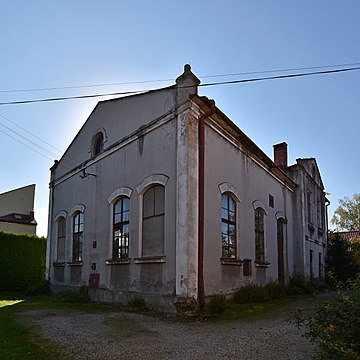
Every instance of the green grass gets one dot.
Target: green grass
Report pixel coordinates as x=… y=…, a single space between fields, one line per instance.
x=18 y=341
x=271 y=309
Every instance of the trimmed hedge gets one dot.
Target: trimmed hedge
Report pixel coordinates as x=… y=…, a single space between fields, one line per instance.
x=22 y=261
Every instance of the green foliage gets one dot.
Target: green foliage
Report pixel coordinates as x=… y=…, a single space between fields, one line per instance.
x=342 y=262
x=347 y=215
x=217 y=304
x=22 y=261
x=79 y=295
x=335 y=325
x=137 y=303
x=251 y=293
x=300 y=285
x=256 y=293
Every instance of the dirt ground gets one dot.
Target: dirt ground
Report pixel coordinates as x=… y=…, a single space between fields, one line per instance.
x=122 y=335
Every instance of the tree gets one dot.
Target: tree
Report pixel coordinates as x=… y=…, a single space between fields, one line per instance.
x=347 y=215
x=343 y=259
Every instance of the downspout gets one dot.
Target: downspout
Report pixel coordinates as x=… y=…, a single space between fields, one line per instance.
x=327 y=204
x=201 y=124
x=50 y=224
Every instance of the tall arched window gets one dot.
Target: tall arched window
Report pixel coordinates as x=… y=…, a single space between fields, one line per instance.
x=259 y=236
x=121 y=222
x=228 y=226
x=153 y=221
x=78 y=236
x=61 y=234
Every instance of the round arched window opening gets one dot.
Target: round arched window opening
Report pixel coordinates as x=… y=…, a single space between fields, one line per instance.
x=98 y=144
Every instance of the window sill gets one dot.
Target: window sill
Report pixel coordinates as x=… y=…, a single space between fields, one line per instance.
x=150 y=260
x=75 y=263
x=236 y=262
x=262 y=265
x=118 y=262
x=59 y=263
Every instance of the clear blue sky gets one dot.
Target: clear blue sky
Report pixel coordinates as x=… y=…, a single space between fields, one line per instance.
x=48 y=44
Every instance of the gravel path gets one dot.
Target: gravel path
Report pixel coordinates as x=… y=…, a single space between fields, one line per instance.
x=121 y=335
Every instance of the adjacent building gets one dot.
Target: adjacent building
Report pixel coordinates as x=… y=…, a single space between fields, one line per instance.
x=17 y=210
x=161 y=195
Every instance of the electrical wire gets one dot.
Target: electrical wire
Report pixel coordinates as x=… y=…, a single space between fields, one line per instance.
x=287 y=76
x=68 y=162
x=164 y=80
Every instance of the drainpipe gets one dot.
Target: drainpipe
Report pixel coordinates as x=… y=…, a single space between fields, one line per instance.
x=50 y=224
x=201 y=125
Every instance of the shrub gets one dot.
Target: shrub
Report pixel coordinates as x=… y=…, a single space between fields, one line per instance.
x=217 y=304
x=79 y=295
x=137 y=303
x=335 y=325
x=22 y=261
x=300 y=285
x=251 y=293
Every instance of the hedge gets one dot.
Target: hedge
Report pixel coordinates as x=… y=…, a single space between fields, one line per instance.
x=22 y=261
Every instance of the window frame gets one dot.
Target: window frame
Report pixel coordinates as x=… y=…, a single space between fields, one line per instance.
x=77 y=236
x=119 y=226
x=155 y=214
x=260 y=248
x=60 y=238
x=228 y=248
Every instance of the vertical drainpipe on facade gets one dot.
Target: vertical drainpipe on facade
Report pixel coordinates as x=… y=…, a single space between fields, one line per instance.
x=201 y=124
x=50 y=218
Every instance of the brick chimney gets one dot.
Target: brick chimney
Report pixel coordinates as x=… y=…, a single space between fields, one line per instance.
x=280 y=155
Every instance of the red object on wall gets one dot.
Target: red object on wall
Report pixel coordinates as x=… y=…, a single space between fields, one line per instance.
x=94 y=280
x=247 y=267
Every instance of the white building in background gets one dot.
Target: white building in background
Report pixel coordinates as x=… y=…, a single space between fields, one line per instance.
x=169 y=200
x=17 y=210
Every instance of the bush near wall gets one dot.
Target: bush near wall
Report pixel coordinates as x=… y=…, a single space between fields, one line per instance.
x=22 y=261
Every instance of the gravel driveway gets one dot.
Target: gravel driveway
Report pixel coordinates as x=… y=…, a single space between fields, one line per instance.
x=121 y=335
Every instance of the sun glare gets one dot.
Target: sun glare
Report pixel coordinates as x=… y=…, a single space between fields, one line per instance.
x=4 y=303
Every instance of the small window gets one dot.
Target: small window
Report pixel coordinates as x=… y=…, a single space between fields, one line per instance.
x=153 y=221
x=271 y=201
x=259 y=236
x=308 y=200
x=61 y=233
x=98 y=146
x=121 y=222
x=228 y=226
x=78 y=236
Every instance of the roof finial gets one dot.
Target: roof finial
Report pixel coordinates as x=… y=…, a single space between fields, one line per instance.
x=187 y=67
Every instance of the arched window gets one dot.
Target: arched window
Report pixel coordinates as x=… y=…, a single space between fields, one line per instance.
x=228 y=226
x=78 y=236
x=98 y=144
x=60 y=244
x=121 y=222
x=259 y=236
x=153 y=221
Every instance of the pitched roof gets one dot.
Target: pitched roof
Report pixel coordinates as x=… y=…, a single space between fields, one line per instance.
x=16 y=218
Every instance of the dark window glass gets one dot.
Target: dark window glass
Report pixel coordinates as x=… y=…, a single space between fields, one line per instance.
x=99 y=144
x=78 y=236
x=121 y=229
x=61 y=233
x=153 y=221
x=259 y=236
x=228 y=226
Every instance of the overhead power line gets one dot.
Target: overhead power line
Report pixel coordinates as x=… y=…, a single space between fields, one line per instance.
x=164 y=80
x=287 y=76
